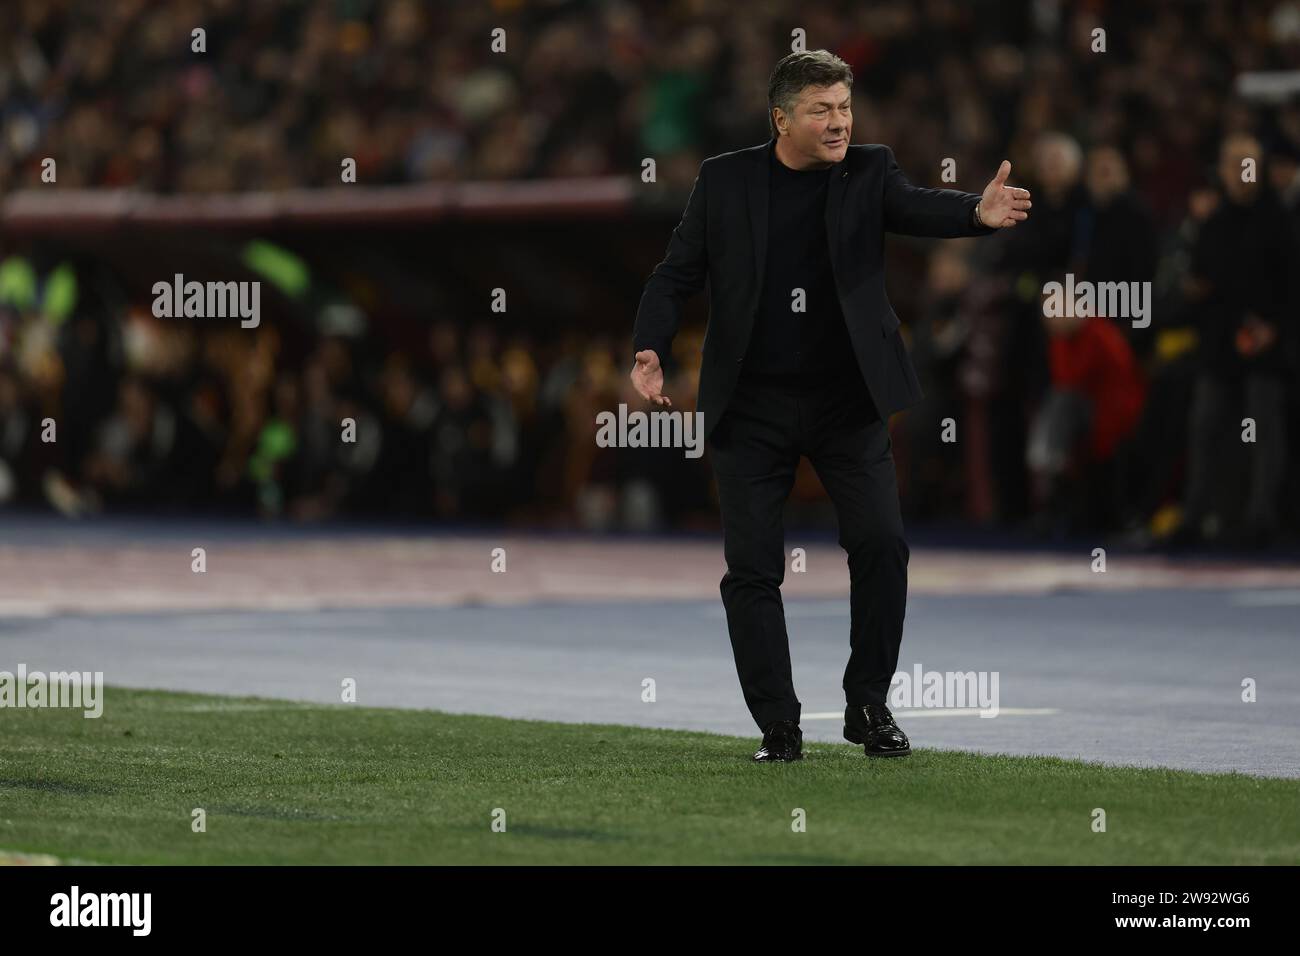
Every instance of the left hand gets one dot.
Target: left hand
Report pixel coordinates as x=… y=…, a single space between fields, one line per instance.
x=1002 y=205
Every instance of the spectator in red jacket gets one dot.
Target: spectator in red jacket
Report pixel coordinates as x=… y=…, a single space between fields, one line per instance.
x=1093 y=405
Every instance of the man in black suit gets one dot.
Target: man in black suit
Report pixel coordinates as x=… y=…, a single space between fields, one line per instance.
x=802 y=356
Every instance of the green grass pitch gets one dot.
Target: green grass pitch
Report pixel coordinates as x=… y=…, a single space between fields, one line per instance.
x=286 y=783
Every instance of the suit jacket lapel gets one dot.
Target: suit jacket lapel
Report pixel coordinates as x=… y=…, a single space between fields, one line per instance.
x=760 y=174
x=834 y=201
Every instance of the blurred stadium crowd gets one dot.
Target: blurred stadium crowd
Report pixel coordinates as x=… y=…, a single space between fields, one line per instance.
x=1134 y=155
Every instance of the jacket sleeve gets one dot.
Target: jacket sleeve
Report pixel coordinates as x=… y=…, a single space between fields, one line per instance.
x=917 y=211
x=681 y=274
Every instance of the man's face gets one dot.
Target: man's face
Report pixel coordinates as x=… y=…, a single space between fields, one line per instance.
x=1107 y=174
x=818 y=133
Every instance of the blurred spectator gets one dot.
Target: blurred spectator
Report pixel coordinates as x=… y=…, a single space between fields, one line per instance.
x=1119 y=241
x=1093 y=405
x=1242 y=280
x=129 y=463
x=940 y=343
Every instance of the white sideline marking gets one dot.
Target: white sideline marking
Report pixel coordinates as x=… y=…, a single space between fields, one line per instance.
x=18 y=858
x=800 y=607
x=944 y=712
x=20 y=607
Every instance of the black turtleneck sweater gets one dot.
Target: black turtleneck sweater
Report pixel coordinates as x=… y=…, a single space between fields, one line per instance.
x=785 y=343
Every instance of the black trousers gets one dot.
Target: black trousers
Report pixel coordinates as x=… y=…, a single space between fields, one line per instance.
x=755 y=450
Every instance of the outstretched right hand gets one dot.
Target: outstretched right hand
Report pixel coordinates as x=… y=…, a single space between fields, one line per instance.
x=648 y=377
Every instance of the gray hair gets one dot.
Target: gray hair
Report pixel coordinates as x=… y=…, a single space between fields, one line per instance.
x=797 y=71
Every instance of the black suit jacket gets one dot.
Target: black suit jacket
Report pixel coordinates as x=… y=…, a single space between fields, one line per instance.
x=722 y=238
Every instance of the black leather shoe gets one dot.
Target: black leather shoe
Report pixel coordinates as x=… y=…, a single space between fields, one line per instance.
x=872 y=725
x=782 y=740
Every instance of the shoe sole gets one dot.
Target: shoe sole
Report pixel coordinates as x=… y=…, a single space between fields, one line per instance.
x=853 y=738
